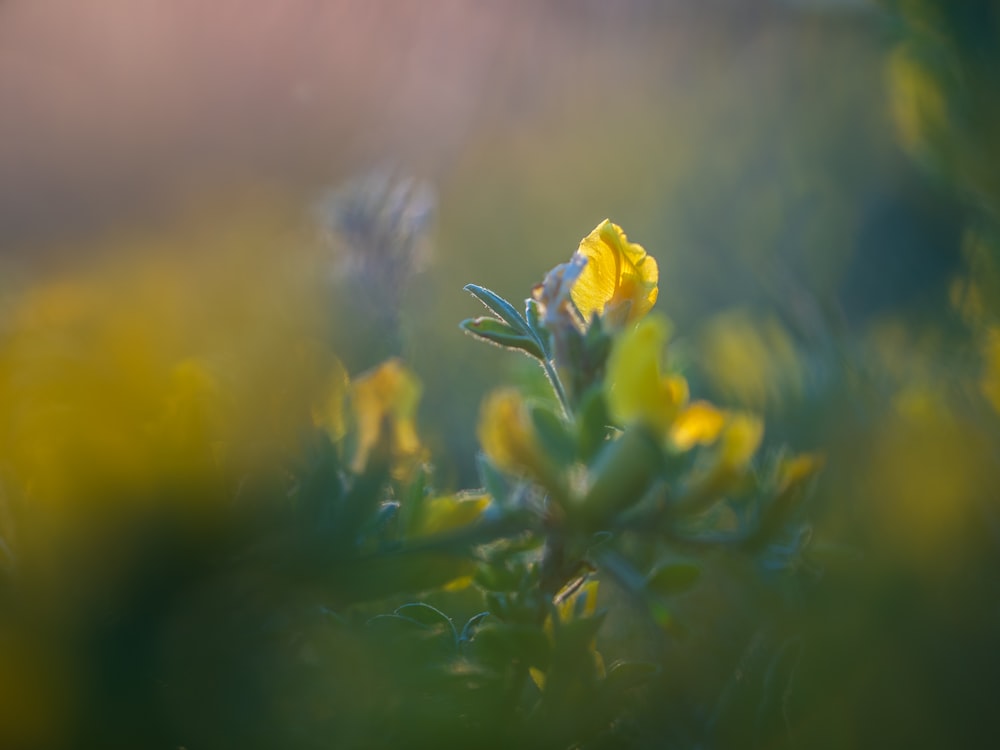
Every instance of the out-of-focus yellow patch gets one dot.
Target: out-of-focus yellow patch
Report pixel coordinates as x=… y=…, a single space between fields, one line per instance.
x=740 y=440
x=795 y=470
x=925 y=479
x=990 y=382
x=638 y=391
x=450 y=512
x=507 y=435
x=33 y=693
x=459 y=584
x=731 y=455
x=751 y=361
x=573 y=605
x=387 y=398
x=165 y=372
x=699 y=424
x=619 y=281
x=918 y=106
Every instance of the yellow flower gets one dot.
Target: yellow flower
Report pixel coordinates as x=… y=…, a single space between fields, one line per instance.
x=638 y=391
x=507 y=435
x=699 y=424
x=449 y=512
x=619 y=282
x=387 y=397
x=740 y=440
x=736 y=443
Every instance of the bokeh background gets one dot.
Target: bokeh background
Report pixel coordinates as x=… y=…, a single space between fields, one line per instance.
x=816 y=178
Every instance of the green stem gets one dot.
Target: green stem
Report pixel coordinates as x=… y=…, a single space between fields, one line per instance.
x=557 y=386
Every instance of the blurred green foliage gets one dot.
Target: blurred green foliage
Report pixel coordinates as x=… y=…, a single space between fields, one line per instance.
x=212 y=536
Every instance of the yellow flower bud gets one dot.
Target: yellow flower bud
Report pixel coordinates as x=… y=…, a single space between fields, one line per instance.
x=389 y=394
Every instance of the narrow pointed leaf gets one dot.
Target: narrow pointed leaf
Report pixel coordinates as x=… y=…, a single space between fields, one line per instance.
x=503 y=309
x=501 y=334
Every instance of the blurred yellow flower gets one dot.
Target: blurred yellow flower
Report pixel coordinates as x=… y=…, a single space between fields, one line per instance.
x=507 y=435
x=795 y=470
x=750 y=360
x=156 y=369
x=729 y=460
x=619 y=281
x=739 y=441
x=990 y=382
x=699 y=424
x=386 y=398
x=638 y=391
x=917 y=104
x=449 y=512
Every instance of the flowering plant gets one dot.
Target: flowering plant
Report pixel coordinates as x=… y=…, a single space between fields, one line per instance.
x=340 y=594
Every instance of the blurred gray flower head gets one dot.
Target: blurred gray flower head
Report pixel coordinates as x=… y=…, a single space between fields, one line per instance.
x=377 y=225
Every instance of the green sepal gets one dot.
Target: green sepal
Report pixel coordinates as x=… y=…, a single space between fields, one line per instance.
x=593 y=420
x=532 y=313
x=622 y=473
x=499 y=333
x=554 y=435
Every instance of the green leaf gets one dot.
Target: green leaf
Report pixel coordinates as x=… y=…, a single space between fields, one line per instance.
x=673 y=578
x=469 y=629
x=501 y=307
x=427 y=615
x=499 y=333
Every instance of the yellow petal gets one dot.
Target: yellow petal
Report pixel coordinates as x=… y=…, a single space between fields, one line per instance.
x=639 y=392
x=740 y=440
x=450 y=512
x=698 y=424
x=794 y=471
x=507 y=435
x=389 y=394
x=619 y=281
